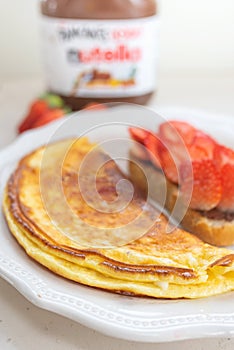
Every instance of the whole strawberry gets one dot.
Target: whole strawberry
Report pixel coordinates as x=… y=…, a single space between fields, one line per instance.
x=45 y=109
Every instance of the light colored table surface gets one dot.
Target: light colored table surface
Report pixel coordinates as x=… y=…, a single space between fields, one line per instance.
x=24 y=326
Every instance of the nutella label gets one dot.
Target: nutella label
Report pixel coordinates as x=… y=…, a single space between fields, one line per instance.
x=100 y=58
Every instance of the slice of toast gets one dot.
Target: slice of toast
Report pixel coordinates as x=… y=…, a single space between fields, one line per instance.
x=213 y=227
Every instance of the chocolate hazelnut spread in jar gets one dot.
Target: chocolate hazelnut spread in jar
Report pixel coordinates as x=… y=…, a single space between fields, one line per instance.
x=100 y=50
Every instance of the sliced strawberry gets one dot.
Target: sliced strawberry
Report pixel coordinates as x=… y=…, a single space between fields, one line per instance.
x=138 y=134
x=227 y=177
x=176 y=137
x=48 y=117
x=197 y=153
x=173 y=131
x=205 y=183
x=202 y=147
x=223 y=155
x=224 y=160
x=172 y=151
x=169 y=164
x=152 y=144
x=150 y=141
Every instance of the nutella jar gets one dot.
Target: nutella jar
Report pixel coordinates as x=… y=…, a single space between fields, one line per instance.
x=100 y=50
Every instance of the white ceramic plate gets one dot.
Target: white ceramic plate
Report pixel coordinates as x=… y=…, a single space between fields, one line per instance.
x=139 y=319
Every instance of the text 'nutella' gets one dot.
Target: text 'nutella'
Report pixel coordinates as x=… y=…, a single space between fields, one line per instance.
x=108 y=55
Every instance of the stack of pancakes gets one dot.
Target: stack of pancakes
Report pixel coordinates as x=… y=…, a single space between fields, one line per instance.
x=58 y=216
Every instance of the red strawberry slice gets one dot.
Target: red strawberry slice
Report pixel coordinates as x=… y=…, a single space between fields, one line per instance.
x=138 y=134
x=150 y=141
x=227 y=177
x=223 y=155
x=224 y=160
x=152 y=144
x=184 y=139
x=169 y=163
x=202 y=147
x=177 y=137
x=172 y=150
x=205 y=182
x=173 y=131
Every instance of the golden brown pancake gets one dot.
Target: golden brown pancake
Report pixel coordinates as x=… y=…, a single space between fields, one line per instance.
x=126 y=249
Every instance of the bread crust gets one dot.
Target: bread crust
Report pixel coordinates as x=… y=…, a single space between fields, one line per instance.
x=216 y=232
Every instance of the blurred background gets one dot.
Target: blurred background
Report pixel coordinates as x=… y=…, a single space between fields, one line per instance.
x=196 y=67
x=196 y=37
